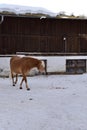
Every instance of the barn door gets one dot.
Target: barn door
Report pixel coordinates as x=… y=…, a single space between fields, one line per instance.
x=71 y=44
x=83 y=42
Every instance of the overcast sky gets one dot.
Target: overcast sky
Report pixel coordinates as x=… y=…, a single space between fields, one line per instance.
x=77 y=7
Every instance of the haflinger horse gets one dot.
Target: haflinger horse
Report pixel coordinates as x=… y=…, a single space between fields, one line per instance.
x=22 y=65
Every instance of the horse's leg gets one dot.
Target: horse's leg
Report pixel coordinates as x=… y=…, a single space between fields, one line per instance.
x=24 y=78
x=12 y=75
x=16 y=78
x=21 y=83
x=26 y=83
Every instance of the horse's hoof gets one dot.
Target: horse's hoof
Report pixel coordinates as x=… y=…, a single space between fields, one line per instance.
x=28 y=89
x=20 y=87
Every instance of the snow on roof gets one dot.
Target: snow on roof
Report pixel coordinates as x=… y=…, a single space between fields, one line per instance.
x=29 y=11
x=16 y=9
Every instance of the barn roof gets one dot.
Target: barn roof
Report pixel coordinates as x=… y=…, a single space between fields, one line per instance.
x=35 y=12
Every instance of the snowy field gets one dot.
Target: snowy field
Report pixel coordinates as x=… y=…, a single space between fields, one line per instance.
x=55 y=102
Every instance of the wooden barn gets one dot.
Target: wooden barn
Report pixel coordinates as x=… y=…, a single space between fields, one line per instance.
x=43 y=35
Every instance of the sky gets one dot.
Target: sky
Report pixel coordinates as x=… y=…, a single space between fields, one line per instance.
x=77 y=7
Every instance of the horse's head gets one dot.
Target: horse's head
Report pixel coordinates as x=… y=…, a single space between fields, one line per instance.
x=41 y=67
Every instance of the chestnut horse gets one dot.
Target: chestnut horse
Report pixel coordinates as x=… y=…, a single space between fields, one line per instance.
x=22 y=65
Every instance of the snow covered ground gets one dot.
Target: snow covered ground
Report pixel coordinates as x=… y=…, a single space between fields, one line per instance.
x=55 y=102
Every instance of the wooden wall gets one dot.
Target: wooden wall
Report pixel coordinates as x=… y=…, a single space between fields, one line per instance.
x=50 y=35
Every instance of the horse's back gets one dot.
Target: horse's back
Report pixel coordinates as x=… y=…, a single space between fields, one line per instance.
x=14 y=63
x=14 y=58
